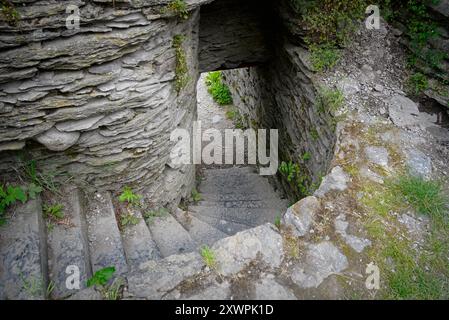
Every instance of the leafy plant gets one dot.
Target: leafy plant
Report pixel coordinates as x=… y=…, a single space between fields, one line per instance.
x=128 y=220
x=33 y=190
x=417 y=83
x=41 y=180
x=220 y=91
x=181 y=69
x=208 y=257
x=323 y=57
x=54 y=211
x=196 y=196
x=8 y=197
x=129 y=196
x=101 y=277
x=9 y=12
x=306 y=156
x=288 y=170
x=180 y=8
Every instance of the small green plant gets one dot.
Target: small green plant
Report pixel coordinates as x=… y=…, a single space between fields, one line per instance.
x=101 y=277
x=314 y=134
x=417 y=83
x=128 y=220
x=10 y=13
x=180 y=8
x=129 y=197
x=41 y=180
x=54 y=211
x=208 y=257
x=114 y=291
x=196 y=196
x=323 y=57
x=288 y=169
x=181 y=69
x=9 y=196
x=277 y=222
x=33 y=286
x=220 y=91
x=149 y=216
x=306 y=156
x=329 y=100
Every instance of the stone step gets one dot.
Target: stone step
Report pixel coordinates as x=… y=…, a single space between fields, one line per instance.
x=105 y=243
x=170 y=236
x=228 y=227
x=236 y=184
x=246 y=216
x=23 y=253
x=242 y=196
x=68 y=245
x=138 y=244
x=201 y=232
x=274 y=203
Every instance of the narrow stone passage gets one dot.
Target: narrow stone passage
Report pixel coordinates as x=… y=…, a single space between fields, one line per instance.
x=233 y=197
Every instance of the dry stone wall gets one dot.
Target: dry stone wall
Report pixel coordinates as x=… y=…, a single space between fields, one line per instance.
x=98 y=102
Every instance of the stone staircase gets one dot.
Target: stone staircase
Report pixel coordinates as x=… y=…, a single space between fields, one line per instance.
x=32 y=255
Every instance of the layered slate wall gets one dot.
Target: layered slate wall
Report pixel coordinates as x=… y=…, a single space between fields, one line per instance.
x=99 y=103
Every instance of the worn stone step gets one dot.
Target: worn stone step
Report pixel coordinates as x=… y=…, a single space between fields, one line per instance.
x=200 y=231
x=138 y=243
x=105 y=243
x=228 y=227
x=170 y=236
x=245 y=216
x=274 y=203
x=23 y=253
x=68 y=245
x=245 y=184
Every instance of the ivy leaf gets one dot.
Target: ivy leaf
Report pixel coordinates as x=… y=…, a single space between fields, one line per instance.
x=101 y=277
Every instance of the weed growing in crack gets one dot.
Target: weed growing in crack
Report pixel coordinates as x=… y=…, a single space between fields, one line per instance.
x=208 y=257
x=323 y=57
x=196 y=196
x=329 y=100
x=54 y=211
x=101 y=277
x=129 y=220
x=130 y=197
x=180 y=8
x=9 y=196
x=417 y=83
x=10 y=12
